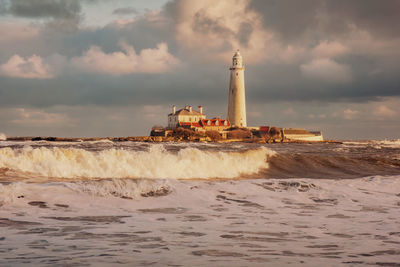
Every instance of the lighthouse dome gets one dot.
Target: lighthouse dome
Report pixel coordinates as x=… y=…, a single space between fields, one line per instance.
x=237 y=54
x=237 y=60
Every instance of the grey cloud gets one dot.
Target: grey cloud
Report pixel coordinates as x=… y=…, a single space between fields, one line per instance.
x=289 y=19
x=4 y=6
x=125 y=11
x=297 y=20
x=379 y=17
x=204 y=24
x=64 y=9
x=245 y=31
x=60 y=14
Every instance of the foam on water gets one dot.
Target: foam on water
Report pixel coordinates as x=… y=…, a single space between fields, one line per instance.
x=157 y=162
x=378 y=144
x=8 y=193
x=124 y=188
x=3 y=137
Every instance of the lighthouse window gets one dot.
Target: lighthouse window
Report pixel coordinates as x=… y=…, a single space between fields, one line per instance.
x=237 y=74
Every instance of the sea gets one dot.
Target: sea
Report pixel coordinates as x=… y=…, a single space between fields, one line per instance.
x=105 y=203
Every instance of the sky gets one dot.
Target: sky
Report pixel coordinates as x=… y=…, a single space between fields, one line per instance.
x=114 y=68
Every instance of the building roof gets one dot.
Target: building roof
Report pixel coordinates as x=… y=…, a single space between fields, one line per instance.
x=237 y=54
x=186 y=111
x=206 y=123
x=191 y=124
x=264 y=128
x=295 y=131
x=213 y=122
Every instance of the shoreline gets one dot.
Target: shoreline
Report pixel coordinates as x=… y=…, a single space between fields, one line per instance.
x=161 y=139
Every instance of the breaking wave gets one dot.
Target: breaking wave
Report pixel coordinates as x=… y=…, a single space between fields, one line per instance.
x=3 y=137
x=375 y=143
x=123 y=188
x=337 y=166
x=155 y=163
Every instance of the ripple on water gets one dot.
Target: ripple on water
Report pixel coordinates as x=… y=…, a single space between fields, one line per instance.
x=96 y=219
x=164 y=210
x=217 y=253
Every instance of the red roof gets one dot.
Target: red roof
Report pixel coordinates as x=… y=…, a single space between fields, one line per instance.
x=213 y=122
x=216 y=122
x=264 y=128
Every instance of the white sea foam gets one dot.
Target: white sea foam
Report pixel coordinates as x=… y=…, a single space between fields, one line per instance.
x=388 y=143
x=118 y=163
x=125 y=188
x=378 y=144
x=8 y=193
x=3 y=137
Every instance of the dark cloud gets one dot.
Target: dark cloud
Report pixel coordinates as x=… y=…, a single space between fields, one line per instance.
x=289 y=19
x=294 y=20
x=62 y=9
x=60 y=14
x=125 y=11
x=203 y=23
x=378 y=17
x=245 y=32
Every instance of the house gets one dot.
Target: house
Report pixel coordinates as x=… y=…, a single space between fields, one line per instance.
x=215 y=124
x=185 y=117
x=301 y=134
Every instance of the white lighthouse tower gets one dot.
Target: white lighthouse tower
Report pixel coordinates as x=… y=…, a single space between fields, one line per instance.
x=237 y=98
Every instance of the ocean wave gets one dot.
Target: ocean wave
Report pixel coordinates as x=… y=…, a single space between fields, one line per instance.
x=335 y=166
x=10 y=192
x=3 y=137
x=155 y=163
x=123 y=188
x=378 y=144
x=388 y=143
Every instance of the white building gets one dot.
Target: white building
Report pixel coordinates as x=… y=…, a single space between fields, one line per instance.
x=185 y=116
x=302 y=134
x=237 y=98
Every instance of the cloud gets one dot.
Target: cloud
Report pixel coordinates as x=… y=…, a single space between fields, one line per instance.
x=58 y=14
x=383 y=111
x=125 y=11
x=290 y=112
x=254 y=114
x=95 y=60
x=350 y=114
x=30 y=68
x=37 y=117
x=16 y=32
x=152 y=112
x=326 y=70
x=290 y=20
x=150 y=60
x=213 y=30
x=327 y=49
x=374 y=16
x=65 y=9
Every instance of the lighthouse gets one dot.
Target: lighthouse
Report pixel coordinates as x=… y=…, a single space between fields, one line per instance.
x=237 y=98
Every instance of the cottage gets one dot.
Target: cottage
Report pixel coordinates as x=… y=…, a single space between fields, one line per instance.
x=215 y=124
x=185 y=117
